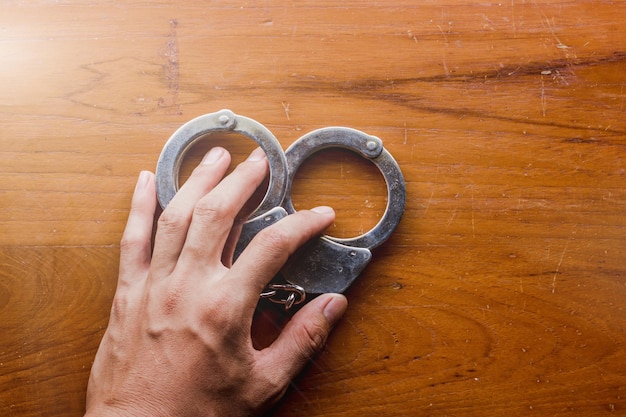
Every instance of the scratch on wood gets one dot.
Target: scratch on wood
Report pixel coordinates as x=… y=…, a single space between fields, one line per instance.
x=451 y=218
x=406 y=135
x=445 y=65
x=472 y=187
x=513 y=19
x=286 y=108
x=552 y=27
x=473 y=222
x=378 y=89
x=443 y=53
x=445 y=37
x=171 y=70
x=428 y=202
x=556 y=272
x=543 y=98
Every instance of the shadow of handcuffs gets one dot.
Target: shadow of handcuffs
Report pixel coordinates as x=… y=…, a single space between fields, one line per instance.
x=325 y=264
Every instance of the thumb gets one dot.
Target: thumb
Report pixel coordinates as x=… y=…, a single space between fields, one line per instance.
x=305 y=334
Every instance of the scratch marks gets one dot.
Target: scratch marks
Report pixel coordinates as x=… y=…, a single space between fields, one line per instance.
x=171 y=71
x=472 y=187
x=473 y=220
x=393 y=89
x=430 y=199
x=471 y=210
x=543 y=98
x=451 y=218
x=444 y=64
x=286 y=108
x=406 y=133
x=556 y=272
x=552 y=28
x=513 y=19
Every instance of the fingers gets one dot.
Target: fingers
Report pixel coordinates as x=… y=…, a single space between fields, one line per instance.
x=174 y=223
x=214 y=214
x=270 y=248
x=303 y=337
x=135 y=246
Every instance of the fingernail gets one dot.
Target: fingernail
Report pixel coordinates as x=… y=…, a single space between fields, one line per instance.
x=323 y=210
x=142 y=181
x=257 y=155
x=335 y=308
x=212 y=156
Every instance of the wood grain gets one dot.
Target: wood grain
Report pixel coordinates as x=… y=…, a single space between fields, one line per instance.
x=502 y=291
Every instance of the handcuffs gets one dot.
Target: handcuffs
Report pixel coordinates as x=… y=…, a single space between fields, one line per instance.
x=325 y=264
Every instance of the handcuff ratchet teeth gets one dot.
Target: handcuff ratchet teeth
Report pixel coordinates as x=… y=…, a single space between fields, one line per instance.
x=325 y=264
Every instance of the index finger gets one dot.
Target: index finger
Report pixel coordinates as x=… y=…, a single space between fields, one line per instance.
x=272 y=246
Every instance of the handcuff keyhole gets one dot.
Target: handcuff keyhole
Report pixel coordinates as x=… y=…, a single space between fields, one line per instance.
x=346 y=181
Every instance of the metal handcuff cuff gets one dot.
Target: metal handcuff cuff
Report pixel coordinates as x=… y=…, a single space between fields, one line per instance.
x=325 y=264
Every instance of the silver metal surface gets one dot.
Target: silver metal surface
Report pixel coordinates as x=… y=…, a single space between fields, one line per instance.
x=369 y=147
x=325 y=264
x=168 y=165
x=253 y=226
x=330 y=264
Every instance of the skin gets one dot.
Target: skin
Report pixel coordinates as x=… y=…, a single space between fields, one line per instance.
x=179 y=339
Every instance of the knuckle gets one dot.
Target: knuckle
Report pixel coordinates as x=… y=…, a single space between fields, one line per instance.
x=130 y=243
x=214 y=315
x=172 y=299
x=125 y=302
x=171 y=219
x=119 y=307
x=166 y=298
x=213 y=209
x=310 y=338
x=275 y=240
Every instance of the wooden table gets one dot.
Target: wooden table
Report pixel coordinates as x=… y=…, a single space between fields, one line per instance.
x=503 y=290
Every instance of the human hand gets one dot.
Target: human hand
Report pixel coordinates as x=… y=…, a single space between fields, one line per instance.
x=178 y=341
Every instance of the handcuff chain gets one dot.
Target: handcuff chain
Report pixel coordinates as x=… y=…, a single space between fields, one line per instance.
x=297 y=294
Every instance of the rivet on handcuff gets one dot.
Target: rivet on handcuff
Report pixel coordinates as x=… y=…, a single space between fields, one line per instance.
x=326 y=264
